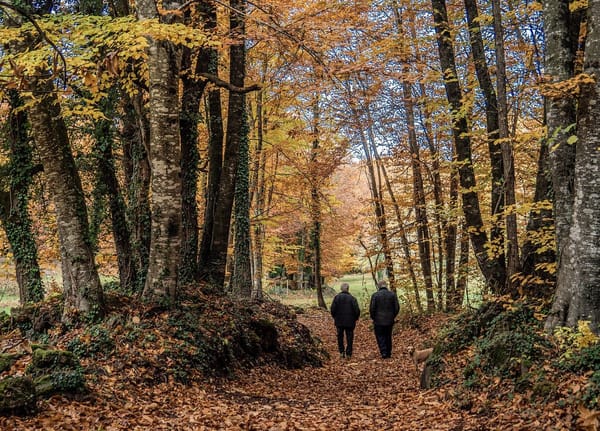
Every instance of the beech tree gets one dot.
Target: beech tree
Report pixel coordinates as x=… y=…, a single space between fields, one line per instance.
x=578 y=209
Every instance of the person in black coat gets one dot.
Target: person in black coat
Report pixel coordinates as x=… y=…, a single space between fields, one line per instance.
x=345 y=312
x=383 y=310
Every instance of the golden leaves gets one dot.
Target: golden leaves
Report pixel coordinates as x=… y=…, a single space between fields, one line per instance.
x=568 y=88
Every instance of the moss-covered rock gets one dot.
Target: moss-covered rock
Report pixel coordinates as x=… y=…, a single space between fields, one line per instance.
x=17 y=396
x=56 y=371
x=7 y=361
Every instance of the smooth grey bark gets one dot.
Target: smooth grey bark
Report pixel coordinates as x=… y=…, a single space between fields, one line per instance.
x=81 y=283
x=164 y=60
x=578 y=296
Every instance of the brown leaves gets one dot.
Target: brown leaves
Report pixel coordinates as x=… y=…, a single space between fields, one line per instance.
x=362 y=393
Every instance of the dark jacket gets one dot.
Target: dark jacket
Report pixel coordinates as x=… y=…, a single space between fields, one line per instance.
x=344 y=310
x=384 y=307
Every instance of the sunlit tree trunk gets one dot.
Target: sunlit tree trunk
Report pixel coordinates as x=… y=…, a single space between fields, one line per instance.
x=83 y=291
x=164 y=61
x=421 y=219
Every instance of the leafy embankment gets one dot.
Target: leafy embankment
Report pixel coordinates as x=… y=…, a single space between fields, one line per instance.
x=205 y=336
x=500 y=356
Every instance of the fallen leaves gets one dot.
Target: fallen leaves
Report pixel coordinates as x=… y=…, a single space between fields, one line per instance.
x=363 y=393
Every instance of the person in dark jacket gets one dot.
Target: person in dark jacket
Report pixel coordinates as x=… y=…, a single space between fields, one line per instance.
x=345 y=312
x=383 y=310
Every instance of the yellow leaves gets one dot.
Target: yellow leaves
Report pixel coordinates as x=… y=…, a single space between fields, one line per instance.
x=572 y=340
x=576 y=5
x=568 y=88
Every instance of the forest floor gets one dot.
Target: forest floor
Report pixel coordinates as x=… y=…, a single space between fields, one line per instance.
x=361 y=393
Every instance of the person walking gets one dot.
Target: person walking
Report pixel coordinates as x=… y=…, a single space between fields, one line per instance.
x=383 y=309
x=345 y=312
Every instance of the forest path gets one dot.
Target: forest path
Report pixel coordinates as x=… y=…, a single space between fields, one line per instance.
x=361 y=393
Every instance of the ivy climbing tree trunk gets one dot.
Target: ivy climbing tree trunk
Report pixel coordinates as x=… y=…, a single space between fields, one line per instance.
x=214 y=262
x=14 y=213
x=164 y=60
x=107 y=186
x=135 y=137
x=83 y=291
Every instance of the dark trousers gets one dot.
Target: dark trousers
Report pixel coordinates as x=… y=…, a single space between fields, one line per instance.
x=349 y=339
x=383 y=335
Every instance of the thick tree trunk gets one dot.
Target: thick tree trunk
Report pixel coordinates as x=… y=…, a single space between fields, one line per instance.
x=561 y=40
x=578 y=296
x=164 y=60
x=83 y=291
x=493 y=271
x=14 y=213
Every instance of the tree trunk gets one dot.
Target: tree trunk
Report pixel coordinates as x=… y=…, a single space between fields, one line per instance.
x=315 y=205
x=215 y=169
x=453 y=291
x=421 y=219
x=107 y=187
x=135 y=135
x=493 y=131
x=192 y=93
x=259 y=195
x=14 y=213
x=241 y=280
x=512 y=244
x=216 y=262
x=578 y=296
x=493 y=271
x=538 y=280
x=164 y=60
x=83 y=291
x=561 y=45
